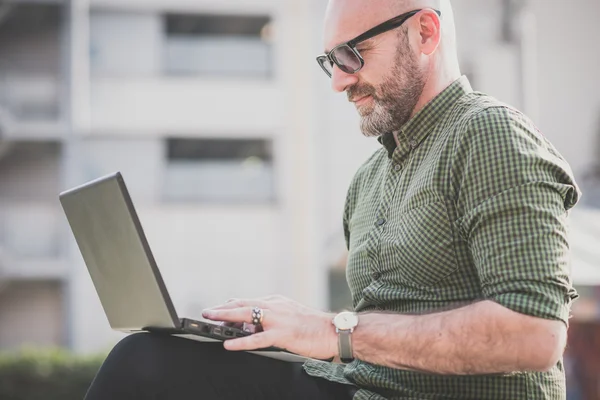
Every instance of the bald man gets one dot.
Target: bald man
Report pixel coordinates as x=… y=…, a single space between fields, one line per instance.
x=458 y=253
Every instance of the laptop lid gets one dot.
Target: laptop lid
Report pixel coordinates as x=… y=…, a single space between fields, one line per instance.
x=117 y=255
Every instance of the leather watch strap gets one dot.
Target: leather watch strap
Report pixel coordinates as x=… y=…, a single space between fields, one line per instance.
x=345 y=346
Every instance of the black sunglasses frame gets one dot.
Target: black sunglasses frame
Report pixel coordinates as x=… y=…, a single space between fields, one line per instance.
x=351 y=44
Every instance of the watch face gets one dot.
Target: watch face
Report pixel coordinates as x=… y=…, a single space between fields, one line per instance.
x=345 y=320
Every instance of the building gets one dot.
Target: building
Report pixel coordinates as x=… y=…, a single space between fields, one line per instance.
x=183 y=95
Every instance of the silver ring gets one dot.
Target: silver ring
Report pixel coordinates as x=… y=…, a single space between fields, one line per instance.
x=257 y=316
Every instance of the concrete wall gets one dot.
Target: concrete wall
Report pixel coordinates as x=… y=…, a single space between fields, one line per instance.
x=569 y=86
x=186 y=106
x=125 y=44
x=563 y=68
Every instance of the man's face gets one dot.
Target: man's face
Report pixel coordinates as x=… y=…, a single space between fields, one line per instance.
x=386 y=90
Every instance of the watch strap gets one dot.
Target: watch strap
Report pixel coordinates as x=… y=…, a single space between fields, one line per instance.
x=345 y=346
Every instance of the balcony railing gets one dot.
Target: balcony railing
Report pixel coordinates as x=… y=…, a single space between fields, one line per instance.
x=30 y=96
x=30 y=105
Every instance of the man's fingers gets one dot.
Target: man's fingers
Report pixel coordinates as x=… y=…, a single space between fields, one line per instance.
x=238 y=315
x=238 y=303
x=252 y=342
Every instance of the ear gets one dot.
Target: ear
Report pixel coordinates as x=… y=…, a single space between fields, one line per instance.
x=430 y=31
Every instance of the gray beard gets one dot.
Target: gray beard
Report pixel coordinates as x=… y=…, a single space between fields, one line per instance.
x=400 y=93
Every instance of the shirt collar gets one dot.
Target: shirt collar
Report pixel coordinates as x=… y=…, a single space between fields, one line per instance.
x=419 y=126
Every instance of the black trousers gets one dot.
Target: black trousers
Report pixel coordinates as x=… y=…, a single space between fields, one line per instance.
x=151 y=367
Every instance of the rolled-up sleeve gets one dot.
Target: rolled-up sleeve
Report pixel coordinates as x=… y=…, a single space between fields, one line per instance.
x=515 y=191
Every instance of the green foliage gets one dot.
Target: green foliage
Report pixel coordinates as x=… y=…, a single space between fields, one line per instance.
x=46 y=375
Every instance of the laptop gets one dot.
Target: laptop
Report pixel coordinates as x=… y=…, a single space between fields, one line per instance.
x=126 y=277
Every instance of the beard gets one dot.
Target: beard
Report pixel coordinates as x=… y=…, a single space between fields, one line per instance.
x=395 y=99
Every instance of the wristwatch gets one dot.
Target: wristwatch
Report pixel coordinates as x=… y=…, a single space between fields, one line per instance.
x=344 y=323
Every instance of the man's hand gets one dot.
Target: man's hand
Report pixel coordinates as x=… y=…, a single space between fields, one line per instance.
x=286 y=324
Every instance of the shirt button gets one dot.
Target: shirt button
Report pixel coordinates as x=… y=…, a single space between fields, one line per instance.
x=397 y=167
x=413 y=144
x=375 y=275
x=380 y=222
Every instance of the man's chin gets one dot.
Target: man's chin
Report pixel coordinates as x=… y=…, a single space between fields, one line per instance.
x=375 y=124
x=368 y=129
x=365 y=111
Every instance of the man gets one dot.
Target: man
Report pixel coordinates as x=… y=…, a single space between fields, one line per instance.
x=458 y=256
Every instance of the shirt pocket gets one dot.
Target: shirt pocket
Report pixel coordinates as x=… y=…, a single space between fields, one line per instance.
x=422 y=246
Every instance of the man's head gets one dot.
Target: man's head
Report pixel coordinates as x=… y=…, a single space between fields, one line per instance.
x=403 y=68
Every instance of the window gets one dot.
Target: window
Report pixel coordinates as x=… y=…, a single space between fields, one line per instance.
x=226 y=45
x=30 y=60
x=219 y=170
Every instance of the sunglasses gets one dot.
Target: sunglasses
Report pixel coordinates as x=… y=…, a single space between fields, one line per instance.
x=345 y=55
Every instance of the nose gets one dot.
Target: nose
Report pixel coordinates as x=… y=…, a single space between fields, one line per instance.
x=341 y=80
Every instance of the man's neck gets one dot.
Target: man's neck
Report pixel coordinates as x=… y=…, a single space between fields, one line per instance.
x=434 y=86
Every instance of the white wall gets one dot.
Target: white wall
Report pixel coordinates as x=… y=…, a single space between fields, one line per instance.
x=140 y=160
x=568 y=74
x=585 y=253
x=231 y=6
x=125 y=44
x=30 y=229
x=187 y=106
x=565 y=69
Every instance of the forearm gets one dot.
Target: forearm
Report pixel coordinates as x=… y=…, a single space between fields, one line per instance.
x=482 y=338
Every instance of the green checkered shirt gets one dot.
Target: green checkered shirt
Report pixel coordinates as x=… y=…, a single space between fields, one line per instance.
x=471 y=205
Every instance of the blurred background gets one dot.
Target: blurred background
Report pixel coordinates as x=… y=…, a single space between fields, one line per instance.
x=237 y=153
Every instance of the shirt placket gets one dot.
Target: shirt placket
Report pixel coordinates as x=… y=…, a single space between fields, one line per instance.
x=394 y=175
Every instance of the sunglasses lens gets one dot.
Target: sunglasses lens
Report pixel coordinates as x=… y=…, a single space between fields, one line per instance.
x=346 y=59
x=326 y=65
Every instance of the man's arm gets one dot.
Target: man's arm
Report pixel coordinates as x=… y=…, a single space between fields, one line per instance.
x=482 y=338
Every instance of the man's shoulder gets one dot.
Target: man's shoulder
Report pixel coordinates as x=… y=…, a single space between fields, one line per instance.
x=482 y=117
x=499 y=147
x=477 y=105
